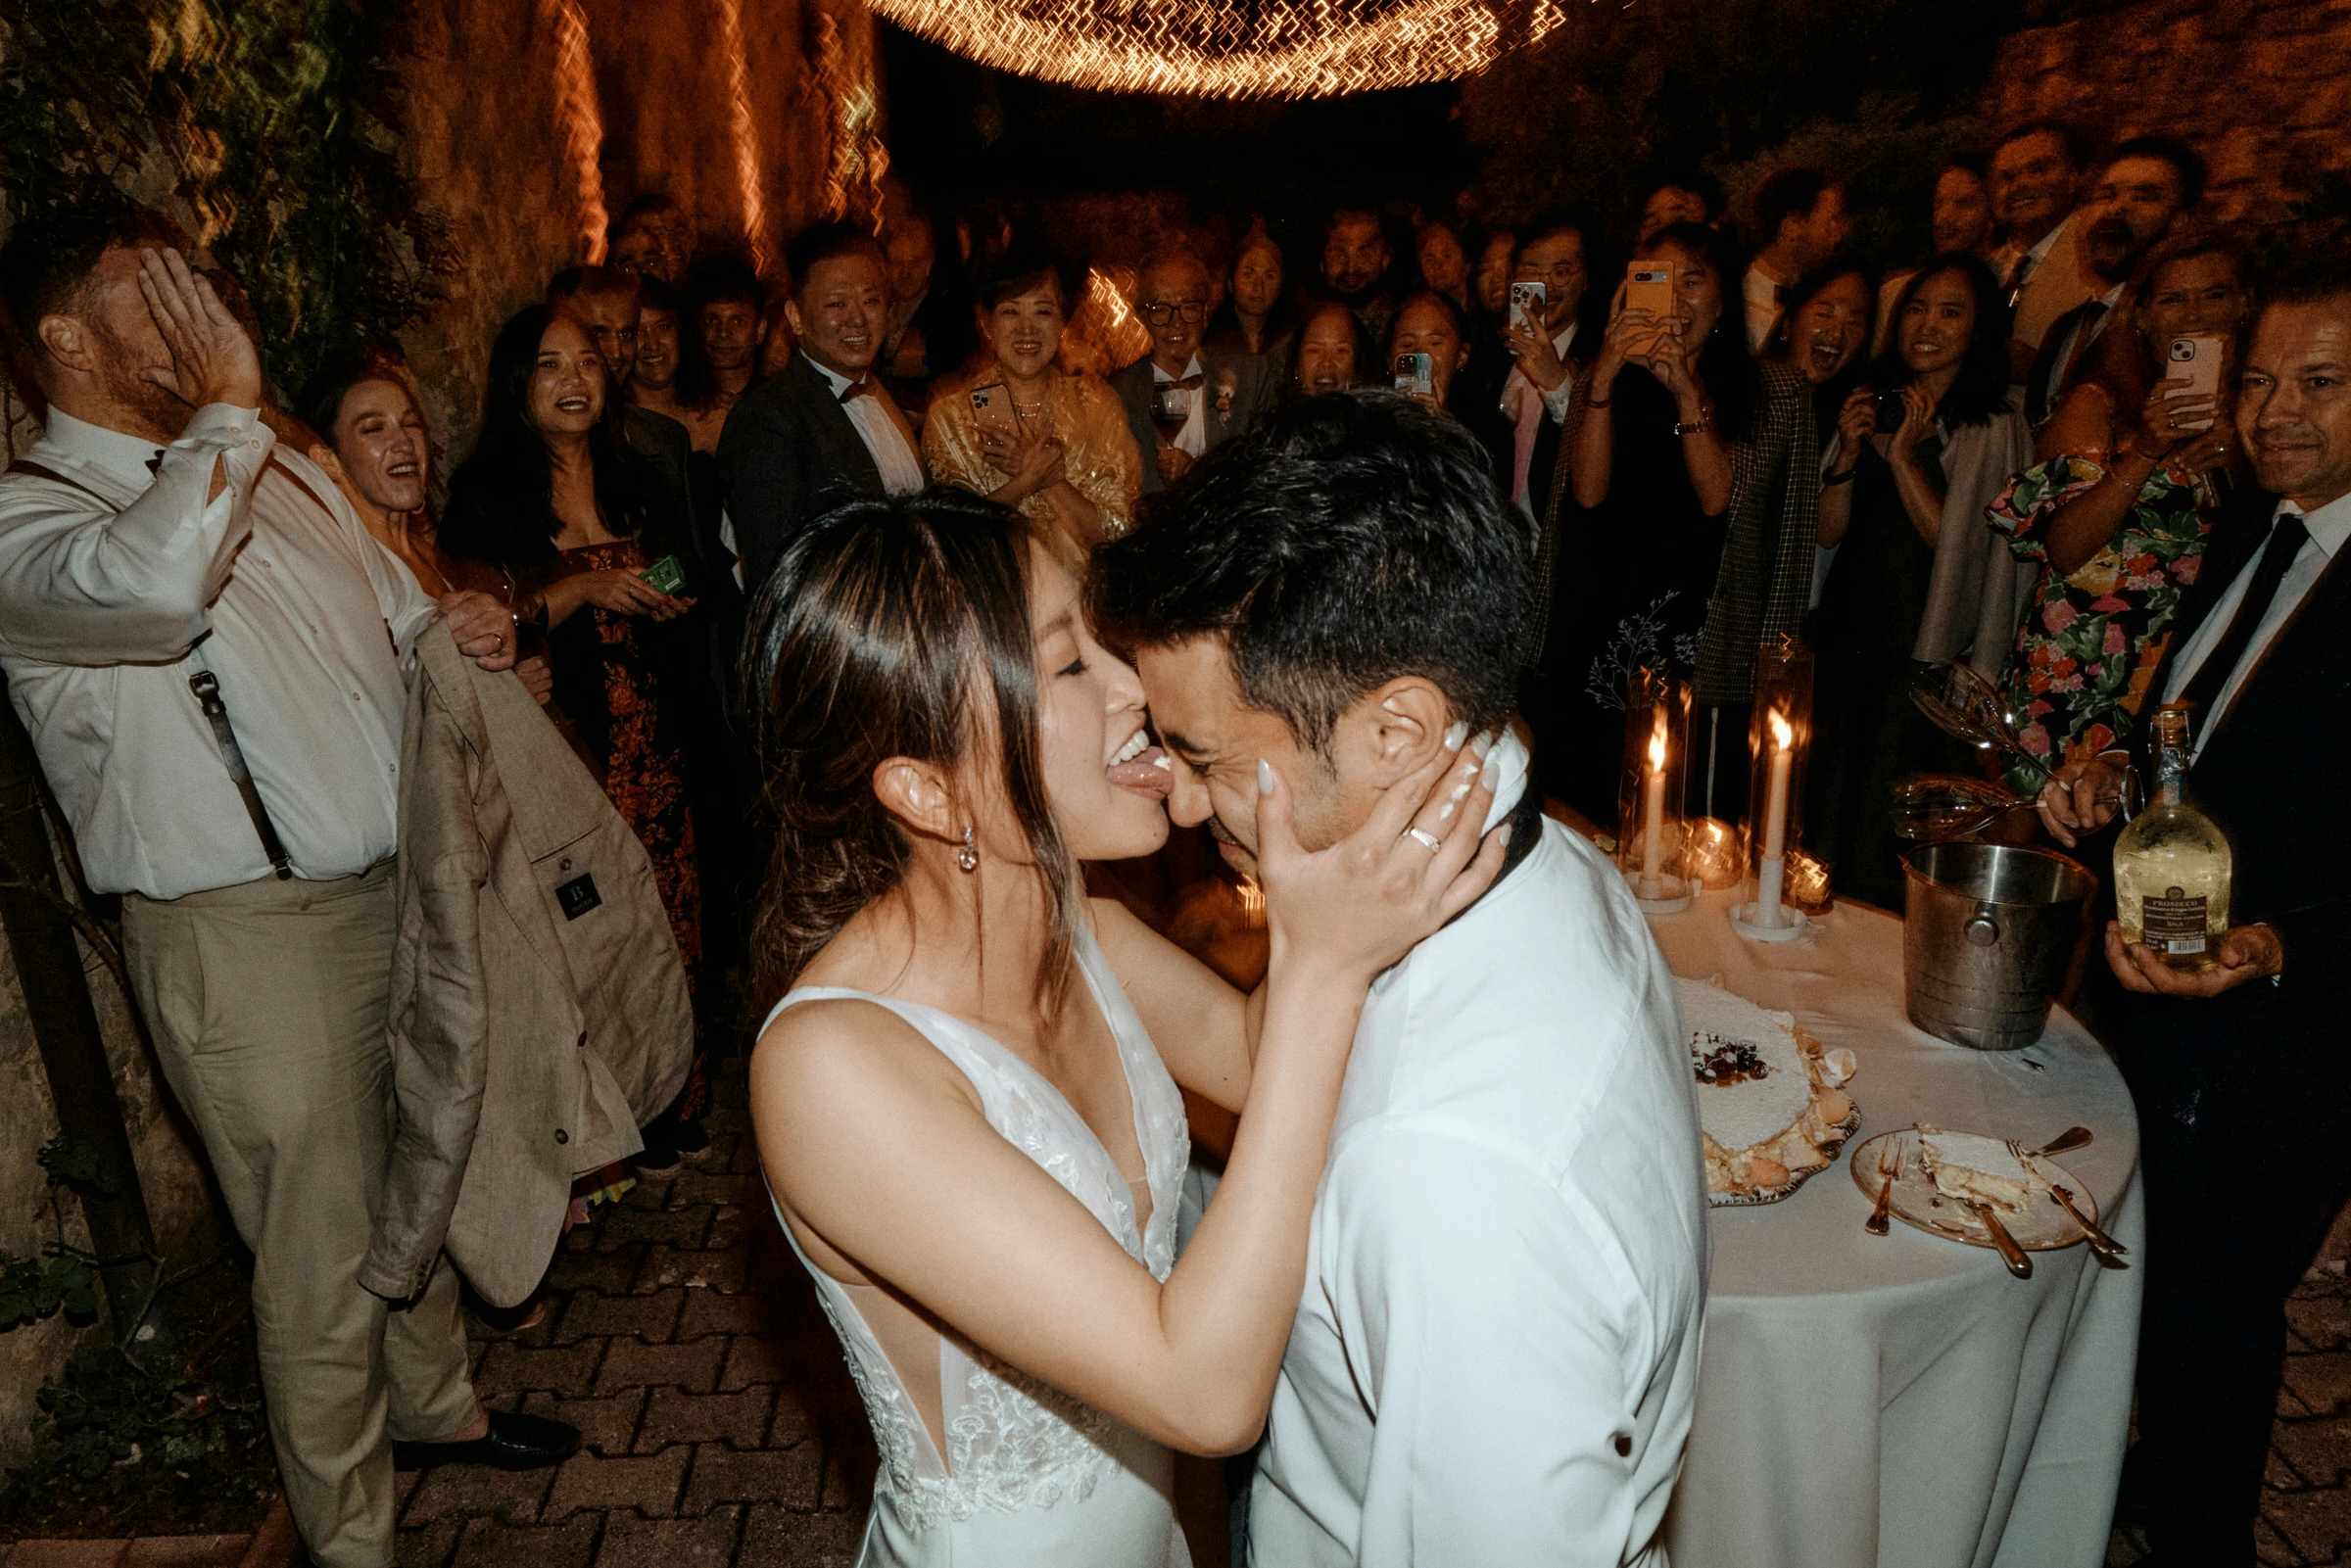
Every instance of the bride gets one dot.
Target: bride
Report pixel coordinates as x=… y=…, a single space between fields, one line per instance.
x=964 y=1106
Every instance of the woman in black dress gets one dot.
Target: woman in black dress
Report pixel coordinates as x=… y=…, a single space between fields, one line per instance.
x=1639 y=516
x=1883 y=506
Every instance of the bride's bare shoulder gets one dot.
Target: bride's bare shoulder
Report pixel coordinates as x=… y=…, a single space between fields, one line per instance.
x=828 y=1054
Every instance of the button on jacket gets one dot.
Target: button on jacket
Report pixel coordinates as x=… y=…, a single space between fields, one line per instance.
x=539 y=1011
x=120 y=583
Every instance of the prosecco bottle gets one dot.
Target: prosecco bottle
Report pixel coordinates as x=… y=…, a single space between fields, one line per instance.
x=2171 y=864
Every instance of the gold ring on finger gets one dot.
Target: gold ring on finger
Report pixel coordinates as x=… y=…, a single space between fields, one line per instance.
x=1426 y=839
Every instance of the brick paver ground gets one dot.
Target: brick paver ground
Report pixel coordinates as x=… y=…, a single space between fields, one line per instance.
x=720 y=1428
x=682 y=1341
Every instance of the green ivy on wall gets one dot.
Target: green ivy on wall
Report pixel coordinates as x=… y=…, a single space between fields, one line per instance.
x=271 y=121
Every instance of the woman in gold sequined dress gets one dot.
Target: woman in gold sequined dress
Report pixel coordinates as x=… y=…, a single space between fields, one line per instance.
x=1017 y=427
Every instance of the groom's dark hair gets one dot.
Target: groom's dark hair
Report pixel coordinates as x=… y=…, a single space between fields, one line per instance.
x=1352 y=539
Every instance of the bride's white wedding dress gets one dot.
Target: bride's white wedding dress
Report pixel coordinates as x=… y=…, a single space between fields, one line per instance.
x=1032 y=1478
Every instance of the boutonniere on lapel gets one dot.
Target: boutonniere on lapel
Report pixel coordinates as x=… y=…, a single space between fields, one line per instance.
x=1228 y=387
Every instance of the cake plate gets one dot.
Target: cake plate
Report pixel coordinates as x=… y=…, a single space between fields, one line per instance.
x=2043 y=1227
x=1831 y=1146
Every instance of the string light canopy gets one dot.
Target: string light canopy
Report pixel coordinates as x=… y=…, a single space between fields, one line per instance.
x=1231 y=48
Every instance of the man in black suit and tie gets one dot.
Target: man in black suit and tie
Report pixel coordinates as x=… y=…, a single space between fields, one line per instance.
x=2147 y=184
x=2238 y=1071
x=823 y=429
x=1228 y=387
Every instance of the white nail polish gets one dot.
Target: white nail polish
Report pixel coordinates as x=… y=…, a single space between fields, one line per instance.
x=1458 y=733
x=1483 y=743
x=1491 y=774
x=1264 y=777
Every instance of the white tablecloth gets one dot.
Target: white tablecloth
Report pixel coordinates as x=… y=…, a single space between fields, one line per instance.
x=1901 y=1400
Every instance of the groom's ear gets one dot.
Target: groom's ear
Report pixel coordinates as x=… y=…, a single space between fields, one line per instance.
x=1394 y=731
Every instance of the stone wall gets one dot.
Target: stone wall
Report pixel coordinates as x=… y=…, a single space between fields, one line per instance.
x=485 y=127
x=174 y=1182
x=2262 y=88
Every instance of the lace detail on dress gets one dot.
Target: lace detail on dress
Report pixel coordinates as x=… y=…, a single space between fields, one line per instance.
x=1014 y=1442
x=898 y=1433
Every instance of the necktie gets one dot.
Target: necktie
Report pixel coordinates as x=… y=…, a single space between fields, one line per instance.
x=2288 y=534
x=2018 y=275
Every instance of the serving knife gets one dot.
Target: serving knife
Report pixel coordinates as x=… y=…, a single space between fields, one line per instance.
x=2019 y=1263
x=2103 y=1245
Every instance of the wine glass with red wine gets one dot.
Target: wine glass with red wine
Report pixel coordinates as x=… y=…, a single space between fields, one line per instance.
x=1171 y=410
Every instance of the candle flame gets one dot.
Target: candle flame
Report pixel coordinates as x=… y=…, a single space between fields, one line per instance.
x=1783 y=735
x=1657 y=741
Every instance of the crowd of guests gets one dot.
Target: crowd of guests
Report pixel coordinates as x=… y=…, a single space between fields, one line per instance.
x=1715 y=428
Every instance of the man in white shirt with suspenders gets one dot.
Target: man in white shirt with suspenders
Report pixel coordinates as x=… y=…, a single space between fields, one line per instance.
x=162 y=568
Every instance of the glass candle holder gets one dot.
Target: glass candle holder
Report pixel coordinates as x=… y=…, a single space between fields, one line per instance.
x=1651 y=838
x=1713 y=853
x=1779 y=740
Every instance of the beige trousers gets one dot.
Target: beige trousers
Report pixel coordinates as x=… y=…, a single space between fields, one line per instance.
x=268 y=1006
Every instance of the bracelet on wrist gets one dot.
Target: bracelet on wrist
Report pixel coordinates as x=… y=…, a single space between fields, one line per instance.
x=1598 y=403
x=1696 y=427
x=1844 y=478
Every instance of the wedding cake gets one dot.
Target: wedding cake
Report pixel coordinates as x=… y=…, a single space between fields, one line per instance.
x=1769 y=1101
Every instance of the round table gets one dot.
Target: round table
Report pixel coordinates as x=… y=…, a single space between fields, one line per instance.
x=1901 y=1400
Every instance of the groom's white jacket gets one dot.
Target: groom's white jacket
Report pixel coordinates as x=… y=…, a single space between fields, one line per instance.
x=1497 y=1352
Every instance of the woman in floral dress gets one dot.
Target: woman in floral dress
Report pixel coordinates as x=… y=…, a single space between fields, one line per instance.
x=2113 y=510
x=578 y=522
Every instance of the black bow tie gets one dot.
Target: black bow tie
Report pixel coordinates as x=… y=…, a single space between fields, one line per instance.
x=858 y=389
x=154 y=464
x=1187 y=384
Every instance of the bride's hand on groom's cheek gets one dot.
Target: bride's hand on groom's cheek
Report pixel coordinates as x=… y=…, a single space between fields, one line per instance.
x=1416 y=861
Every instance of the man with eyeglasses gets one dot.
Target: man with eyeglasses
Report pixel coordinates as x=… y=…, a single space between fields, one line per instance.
x=1223 y=390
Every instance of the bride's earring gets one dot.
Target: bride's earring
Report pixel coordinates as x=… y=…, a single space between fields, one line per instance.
x=968 y=857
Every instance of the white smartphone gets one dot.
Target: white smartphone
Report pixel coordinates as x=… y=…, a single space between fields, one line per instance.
x=1526 y=307
x=1415 y=374
x=2197 y=361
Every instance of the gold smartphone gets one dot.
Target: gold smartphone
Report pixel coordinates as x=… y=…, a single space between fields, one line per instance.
x=991 y=406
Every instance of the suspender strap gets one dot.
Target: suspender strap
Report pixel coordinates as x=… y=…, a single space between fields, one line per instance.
x=206 y=688
x=26 y=465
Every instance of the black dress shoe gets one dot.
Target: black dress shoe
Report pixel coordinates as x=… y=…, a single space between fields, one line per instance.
x=512 y=1443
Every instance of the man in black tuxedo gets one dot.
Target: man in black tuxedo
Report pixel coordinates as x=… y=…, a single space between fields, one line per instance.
x=2243 y=1100
x=823 y=429
x=1229 y=387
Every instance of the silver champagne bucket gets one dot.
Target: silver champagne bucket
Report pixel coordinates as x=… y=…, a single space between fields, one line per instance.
x=1986 y=932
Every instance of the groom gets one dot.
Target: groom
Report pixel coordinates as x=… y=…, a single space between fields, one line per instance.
x=1496 y=1350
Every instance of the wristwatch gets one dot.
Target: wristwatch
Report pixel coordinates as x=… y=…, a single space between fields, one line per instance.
x=1704 y=422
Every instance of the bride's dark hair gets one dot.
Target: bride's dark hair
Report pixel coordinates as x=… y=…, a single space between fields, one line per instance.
x=883 y=631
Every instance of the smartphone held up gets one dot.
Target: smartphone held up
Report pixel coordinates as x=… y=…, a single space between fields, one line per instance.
x=1526 y=307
